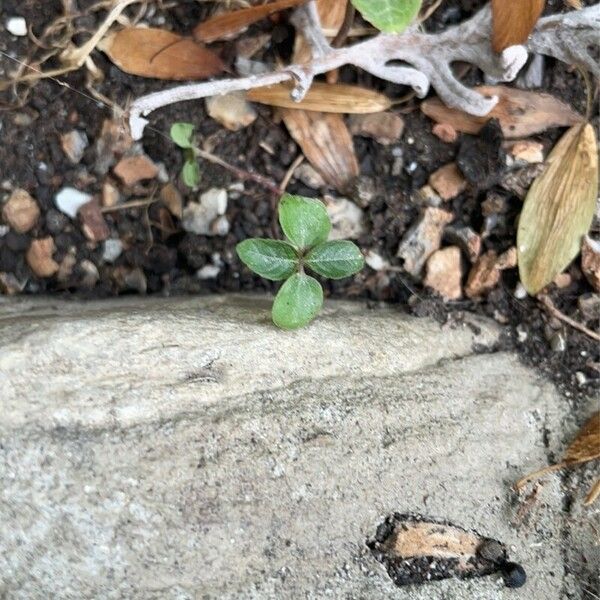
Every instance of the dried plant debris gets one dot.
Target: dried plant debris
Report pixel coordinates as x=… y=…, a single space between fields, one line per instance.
x=416 y=550
x=584 y=448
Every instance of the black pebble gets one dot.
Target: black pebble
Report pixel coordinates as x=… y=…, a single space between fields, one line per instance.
x=514 y=575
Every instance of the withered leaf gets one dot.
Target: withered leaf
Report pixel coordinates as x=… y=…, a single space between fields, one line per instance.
x=326 y=143
x=415 y=550
x=513 y=21
x=585 y=447
x=227 y=25
x=558 y=209
x=521 y=113
x=160 y=54
x=323 y=97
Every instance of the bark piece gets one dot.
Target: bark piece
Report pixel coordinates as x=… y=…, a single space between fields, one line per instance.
x=448 y=181
x=39 y=257
x=443 y=273
x=21 y=211
x=423 y=239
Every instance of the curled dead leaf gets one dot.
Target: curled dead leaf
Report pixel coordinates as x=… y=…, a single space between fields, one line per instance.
x=326 y=143
x=160 y=54
x=227 y=25
x=513 y=21
x=521 y=113
x=558 y=209
x=323 y=97
x=585 y=447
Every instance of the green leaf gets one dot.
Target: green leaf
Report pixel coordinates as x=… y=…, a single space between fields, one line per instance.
x=336 y=259
x=271 y=259
x=297 y=302
x=558 y=209
x=182 y=133
x=191 y=173
x=304 y=221
x=391 y=16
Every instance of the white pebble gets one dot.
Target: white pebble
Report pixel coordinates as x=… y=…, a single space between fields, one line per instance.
x=69 y=200
x=16 y=26
x=520 y=292
x=208 y=272
x=375 y=261
x=112 y=250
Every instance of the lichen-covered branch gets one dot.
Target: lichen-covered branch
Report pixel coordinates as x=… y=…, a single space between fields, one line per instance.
x=413 y=58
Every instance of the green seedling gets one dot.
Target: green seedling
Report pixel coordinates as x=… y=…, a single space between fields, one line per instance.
x=183 y=135
x=306 y=225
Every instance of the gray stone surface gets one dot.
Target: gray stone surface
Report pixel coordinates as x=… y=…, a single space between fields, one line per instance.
x=187 y=449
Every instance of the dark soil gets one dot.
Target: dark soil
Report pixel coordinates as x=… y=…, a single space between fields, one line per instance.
x=31 y=157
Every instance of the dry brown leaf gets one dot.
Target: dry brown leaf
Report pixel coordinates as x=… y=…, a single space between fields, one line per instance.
x=160 y=54
x=326 y=143
x=513 y=21
x=558 y=209
x=227 y=25
x=521 y=113
x=323 y=97
x=584 y=448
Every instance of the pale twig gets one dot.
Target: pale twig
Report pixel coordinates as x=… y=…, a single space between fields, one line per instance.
x=290 y=172
x=565 y=36
x=549 y=306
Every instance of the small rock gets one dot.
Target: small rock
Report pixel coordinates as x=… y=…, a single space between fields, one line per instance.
x=445 y=132
x=114 y=140
x=232 y=110
x=494 y=204
x=133 y=169
x=93 y=224
x=4 y=229
x=21 y=211
x=220 y=226
x=39 y=257
x=16 y=26
x=171 y=198
x=558 y=341
x=69 y=201
x=482 y=159
x=519 y=181
x=443 y=273
x=423 y=239
x=22 y=119
x=448 y=181
x=74 y=144
x=426 y=196
x=532 y=76
x=508 y=259
x=208 y=272
x=309 y=176
x=484 y=275
x=522 y=334
x=110 y=195
x=376 y=261
x=55 y=221
x=580 y=378
x=384 y=127
x=365 y=190
x=112 y=250
x=347 y=219
x=590 y=261
x=90 y=274
x=198 y=217
x=10 y=285
x=563 y=280
x=67 y=264
x=527 y=151
x=130 y=279
x=589 y=306
x=466 y=239
x=520 y=292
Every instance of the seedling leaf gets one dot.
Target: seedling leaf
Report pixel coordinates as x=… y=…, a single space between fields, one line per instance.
x=304 y=220
x=558 y=209
x=191 y=173
x=271 y=259
x=297 y=302
x=391 y=16
x=336 y=259
x=181 y=134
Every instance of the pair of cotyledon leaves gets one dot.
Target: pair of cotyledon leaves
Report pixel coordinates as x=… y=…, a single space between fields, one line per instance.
x=183 y=135
x=306 y=224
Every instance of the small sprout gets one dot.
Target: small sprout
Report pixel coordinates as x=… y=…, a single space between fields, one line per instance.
x=306 y=224
x=183 y=135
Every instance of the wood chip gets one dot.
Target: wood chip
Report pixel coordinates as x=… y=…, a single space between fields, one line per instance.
x=39 y=257
x=172 y=199
x=21 y=211
x=521 y=113
x=326 y=143
x=448 y=181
